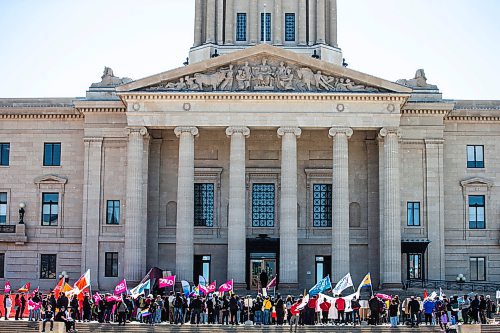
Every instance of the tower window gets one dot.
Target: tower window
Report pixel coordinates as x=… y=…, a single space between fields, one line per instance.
x=322 y=205
x=265 y=26
x=241 y=27
x=289 y=27
x=204 y=204
x=475 y=156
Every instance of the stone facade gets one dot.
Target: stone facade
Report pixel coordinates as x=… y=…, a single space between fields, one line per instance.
x=256 y=115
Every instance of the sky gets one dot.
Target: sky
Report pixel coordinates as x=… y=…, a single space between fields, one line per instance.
x=57 y=48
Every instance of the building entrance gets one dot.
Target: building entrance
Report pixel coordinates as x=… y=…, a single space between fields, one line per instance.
x=260 y=262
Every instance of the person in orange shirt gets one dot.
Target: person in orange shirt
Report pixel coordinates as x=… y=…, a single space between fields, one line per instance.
x=325 y=309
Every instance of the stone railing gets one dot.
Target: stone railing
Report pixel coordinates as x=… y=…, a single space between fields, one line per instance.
x=453 y=285
x=15 y=233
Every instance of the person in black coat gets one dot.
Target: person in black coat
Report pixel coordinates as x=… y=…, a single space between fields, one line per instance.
x=263 y=279
x=62 y=301
x=414 y=306
x=23 y=305
x=280 y=310
x=233 y=309
x=374 y=306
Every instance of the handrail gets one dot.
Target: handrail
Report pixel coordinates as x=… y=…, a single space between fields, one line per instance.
x=453 y=285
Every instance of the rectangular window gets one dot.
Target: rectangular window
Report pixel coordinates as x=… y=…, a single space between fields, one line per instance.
x=322 y=205
x=476 y=212
x=2 y=265
x=50 y=209
x=241 y=27
x=475 y=156
x=4 y=154
x=48 y=269
x=204 y=204
x=413 y=214
x=477 y=268
x=415 y=266
x=52 y=154
x=265 y=27
x=263 y=205
x=111 y=264
x=202 y=265
x=289 y=27
x=113 y=212
x=3 y=207
x=323 y=265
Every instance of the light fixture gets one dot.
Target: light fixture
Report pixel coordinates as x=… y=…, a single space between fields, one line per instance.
x=22 y=205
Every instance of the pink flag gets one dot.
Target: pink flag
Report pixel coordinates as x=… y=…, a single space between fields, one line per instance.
x=113 y=298
x=228 y=286
x=6 y=288
x=121 y=287
x=212 y=287
x=169 y=281
x=271 y=284
x=203 y=289
x=97 y=298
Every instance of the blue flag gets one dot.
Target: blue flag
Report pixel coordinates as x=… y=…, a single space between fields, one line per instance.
x=186 y=289
x=321 y=286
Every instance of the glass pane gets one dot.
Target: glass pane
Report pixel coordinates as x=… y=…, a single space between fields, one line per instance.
x=204 y=204
x=473 y=269
x=267 y=27
x=481 y=274
x=3 y=197
x=410 y=213
x=47 y=155
x=289 y=27
x=241 y=30
x=206 y=271
x=263 y=205
x=416 y=213
x=479 y=153
x=4 y=152
x=56 y=155
x=470 y=154
x=322 y=205
x=319 y=271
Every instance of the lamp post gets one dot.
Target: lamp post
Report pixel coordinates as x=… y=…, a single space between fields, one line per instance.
x=64 y=275
x=460 y=280
x=22 y=205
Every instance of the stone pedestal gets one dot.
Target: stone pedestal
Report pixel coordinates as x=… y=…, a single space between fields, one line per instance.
x=184 y=250
x=390 y=245
x=136 y=221
x=236 y=233
x=340 y=204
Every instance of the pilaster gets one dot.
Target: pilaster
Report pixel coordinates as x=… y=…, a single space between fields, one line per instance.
x=184 y=249
x=340 y=204
x=210 y=28
x=254 y=22
x=320 y=22
x=333 y=23
x=230 y=31
x=288 y=207
x=198 y=22
x=302 y=22
x=278 y=23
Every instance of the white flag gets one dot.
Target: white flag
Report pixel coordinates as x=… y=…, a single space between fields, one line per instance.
x=343 y=284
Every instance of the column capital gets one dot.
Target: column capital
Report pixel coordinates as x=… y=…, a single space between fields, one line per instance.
x=238 y=129
x=140 y=129
x=186 y=129
x=289 y=129
x=390 y=130
x=340 y=130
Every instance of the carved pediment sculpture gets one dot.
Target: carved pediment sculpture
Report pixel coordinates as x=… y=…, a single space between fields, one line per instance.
x=418 y=82
x=108 y=79
x=263 y=75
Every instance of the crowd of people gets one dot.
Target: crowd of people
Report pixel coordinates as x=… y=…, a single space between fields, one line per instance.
x=231 y=309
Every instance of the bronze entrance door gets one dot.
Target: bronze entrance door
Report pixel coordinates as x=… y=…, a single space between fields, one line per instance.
x=261 y=262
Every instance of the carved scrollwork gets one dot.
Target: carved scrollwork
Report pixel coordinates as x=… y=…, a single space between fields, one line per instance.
x=186 y=129
x=238 y=129
x=386 y=131
x=340 y=130
x=141 y=130
x=263 y=75
x=293 y=130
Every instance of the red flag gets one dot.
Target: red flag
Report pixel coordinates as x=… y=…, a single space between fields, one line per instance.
x=6 y=288
x=36 y=291
x=58 y=288
x=426 y=294
x=81 y=295
x=83 y=282
x=271 y=284
x=212 y=287
x=169 y=281
x=25 y=288
x=228 y=286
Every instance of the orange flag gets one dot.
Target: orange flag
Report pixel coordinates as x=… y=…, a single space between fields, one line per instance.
x=25 y=288
x=58 y=288
x=82 y=282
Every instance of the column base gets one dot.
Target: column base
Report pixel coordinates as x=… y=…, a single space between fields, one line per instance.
x=392 y=286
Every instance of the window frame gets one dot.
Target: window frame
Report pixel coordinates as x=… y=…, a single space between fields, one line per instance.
x=475 y=163
x=4 y=150
x=475 y=226
x=411 y=222
x=243 y=25
x=477 y=260
x=6 y=203
x=287 y=16
x=51 y=204
x=49 y=275
x=52 y=162
x=200 y=207
x=113 y=202
x=2 y=265
x=274 y=208
x=421 y=266
x=112 y=258
x=329 y=221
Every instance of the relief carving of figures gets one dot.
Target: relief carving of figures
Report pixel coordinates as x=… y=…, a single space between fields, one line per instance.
x=264 y=75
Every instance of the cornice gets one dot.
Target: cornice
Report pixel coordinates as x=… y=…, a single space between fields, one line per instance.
x=472 y=119
x=424 y=112
x=372 y=97
x=41 y=116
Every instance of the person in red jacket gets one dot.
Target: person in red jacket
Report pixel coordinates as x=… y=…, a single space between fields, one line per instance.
x=325 y=309
x=340 y=305
x=295 y=312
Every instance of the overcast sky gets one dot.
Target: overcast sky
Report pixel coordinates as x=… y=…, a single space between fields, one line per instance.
x=57 y=48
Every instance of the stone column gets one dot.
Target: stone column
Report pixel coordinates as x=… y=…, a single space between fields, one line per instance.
x=254 y=22
x=198 y=22
x=312 y=22
x=302 y=22
x=391 y=230
x=220 y=22
x=92 y=167
x=277 y=23
x=320 y=22
x=184 y=249
x=230 y=31
x=136 y=222
x=288 y=206
x=153 y=197
x=210 y=28
x=236 y=234
x=333 y=22
x=340 y=204
x=435 y=208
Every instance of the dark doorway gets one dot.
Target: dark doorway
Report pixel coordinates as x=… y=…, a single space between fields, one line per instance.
x=262 y=254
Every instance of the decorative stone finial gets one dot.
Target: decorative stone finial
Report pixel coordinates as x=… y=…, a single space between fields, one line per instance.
x=108 y=79
x=418 y=82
